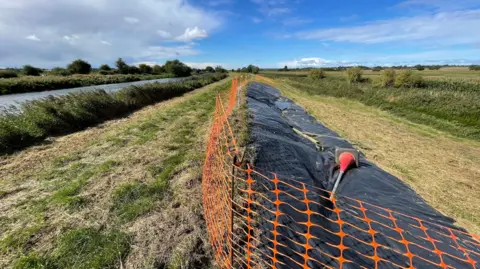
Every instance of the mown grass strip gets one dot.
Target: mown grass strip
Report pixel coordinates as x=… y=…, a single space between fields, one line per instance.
x=39 y=119
x=136 y=199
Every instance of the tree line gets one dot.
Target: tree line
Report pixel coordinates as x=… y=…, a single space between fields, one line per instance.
x=79 y=66
x=249 y=69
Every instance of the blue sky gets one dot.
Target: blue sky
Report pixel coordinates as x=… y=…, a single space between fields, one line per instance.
x=235 y=33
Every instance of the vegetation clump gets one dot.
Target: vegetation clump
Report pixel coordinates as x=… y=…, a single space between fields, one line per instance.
x=409 y=79
x=8 y=74
x=79 y=66
x=316 y=74
x=29 y=70
x=354 y=75
x=386 y=79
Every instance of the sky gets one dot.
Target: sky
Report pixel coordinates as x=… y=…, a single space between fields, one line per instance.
x=235 y=33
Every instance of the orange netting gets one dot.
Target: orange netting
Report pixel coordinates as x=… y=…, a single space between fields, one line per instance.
x=257 y=220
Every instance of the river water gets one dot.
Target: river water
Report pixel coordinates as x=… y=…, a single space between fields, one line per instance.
x=16 y=99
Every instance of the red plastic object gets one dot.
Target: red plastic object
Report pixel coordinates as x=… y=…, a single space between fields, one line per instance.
x=346 y=160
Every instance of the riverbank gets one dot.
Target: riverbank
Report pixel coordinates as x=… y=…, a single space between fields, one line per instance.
x=47 y=83
x=73 y=112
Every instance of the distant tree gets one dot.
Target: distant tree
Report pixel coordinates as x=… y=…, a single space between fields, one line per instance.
x=285 y=68
x=354 y=75
x=145 y=69
x=59 y=71
x=435 y=67
x=474 y=67
x=409 y=79
x=419 y=67
x=105 y=67
x=386 y=79
x=177 y=68
x=79 y=66
x=8 y=74
x=316 y=74
x=363 y=67
x=239 y=70
x=377 y=68
x=209 y=69
x=220 y=69
x=157 y=69
x=29 y=70
x=256 y=70
x=133 y=70
x=122 y=67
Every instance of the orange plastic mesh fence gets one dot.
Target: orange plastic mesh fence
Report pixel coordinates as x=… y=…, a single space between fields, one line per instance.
x=270 y=222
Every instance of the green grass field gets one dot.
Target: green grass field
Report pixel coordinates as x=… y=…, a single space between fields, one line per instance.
x=445 y=73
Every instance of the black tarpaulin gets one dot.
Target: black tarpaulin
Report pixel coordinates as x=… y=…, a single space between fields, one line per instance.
x=281 y=150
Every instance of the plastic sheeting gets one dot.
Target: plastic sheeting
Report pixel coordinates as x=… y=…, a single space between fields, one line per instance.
x=280 y=150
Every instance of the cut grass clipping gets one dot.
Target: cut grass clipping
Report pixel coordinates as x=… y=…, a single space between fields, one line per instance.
x=39 y=119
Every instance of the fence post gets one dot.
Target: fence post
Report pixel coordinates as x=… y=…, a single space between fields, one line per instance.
x=232 y=195
x=238 y=92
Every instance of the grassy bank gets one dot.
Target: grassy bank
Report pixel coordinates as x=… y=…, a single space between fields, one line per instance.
x=453 y=107
x=37 y=84
x=124 y=194
x=441 y=168
x=65 y=114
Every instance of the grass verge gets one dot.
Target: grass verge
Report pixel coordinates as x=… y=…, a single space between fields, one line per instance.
x=441 y=168
x=138 y=180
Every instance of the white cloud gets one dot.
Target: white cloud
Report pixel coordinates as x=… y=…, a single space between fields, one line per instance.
x=71 y=39
x=275 y=11
x=272 y=8
x=164 y=34
x=439 y=5
x=192 y=34
x=445 y=28
x=95 y=21
x=202 y=65
x=106 y=43
x=296 y=21
x=215 y=3
x=161 y=52
x=33 y=37
x=131 y=20
x=426 y=57
x=315 y=62
x=256 y=20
